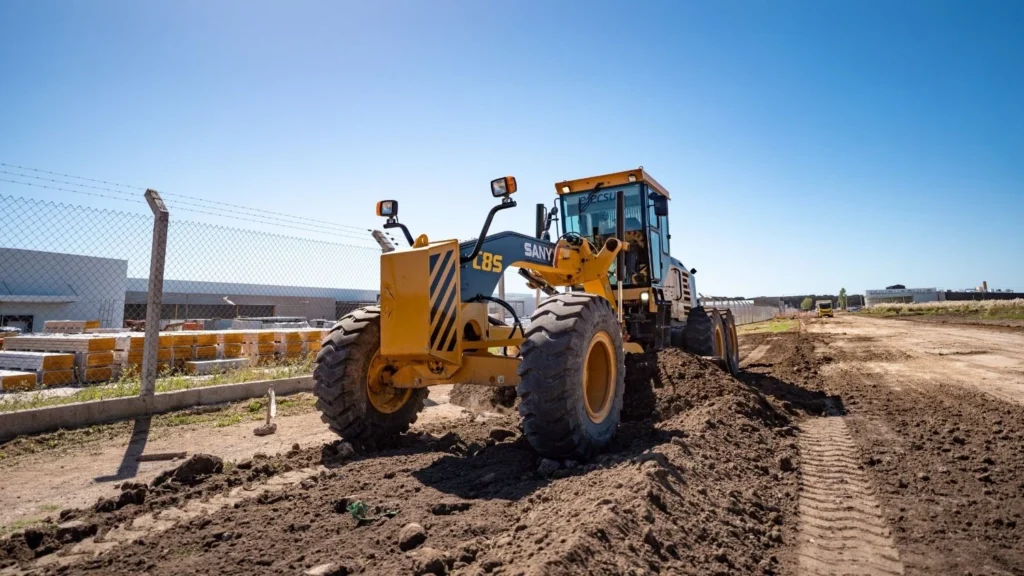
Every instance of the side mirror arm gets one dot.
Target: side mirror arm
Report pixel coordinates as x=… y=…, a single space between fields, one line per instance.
x=506 y=203
x=396 y=224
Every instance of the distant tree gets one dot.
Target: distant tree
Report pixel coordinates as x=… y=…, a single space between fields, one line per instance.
x=807 y=304
x=842 y=298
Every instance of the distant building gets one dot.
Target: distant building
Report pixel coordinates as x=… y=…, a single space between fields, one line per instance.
x=38 y=286
x=902 y=296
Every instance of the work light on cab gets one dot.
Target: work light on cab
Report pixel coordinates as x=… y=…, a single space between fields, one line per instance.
x=387 y=208
x=503 y=186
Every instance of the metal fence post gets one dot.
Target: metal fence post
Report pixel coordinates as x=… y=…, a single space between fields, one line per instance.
x=155 y=297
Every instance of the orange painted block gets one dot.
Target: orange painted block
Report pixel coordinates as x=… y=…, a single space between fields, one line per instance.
x=206 y=339
x=57 y=378
x=182 y=340
x=96 y=359
x=232 y=337
x=91 y=375
x=101 y=344
x=181 y=353
x=13 y=381
x=204 y=352
x=288 y=337
x=265 y=337
x=313 y=335
x=292 y=349
x=59 y=362
x=232 y=350
x=266 y=348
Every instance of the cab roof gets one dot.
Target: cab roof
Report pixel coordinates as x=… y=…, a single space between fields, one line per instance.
x=608 y=180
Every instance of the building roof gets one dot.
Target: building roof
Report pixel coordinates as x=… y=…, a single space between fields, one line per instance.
x=219 y=289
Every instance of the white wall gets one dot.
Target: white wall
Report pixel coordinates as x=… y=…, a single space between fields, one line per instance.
x=97 y=286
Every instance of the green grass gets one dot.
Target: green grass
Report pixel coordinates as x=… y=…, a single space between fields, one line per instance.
x=773 y=326
x=214 y=416
x=129 y=384
x=982 y=310
x=19 y=525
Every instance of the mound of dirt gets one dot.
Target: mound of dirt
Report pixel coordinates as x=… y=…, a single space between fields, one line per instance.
x=483 y=398
x=703 y=482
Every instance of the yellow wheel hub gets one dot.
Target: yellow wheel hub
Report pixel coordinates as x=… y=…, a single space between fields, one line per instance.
x=599 y=377
x=719 y=342
x=384 y=397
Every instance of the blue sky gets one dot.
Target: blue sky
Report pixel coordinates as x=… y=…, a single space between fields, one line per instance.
x=807 y=145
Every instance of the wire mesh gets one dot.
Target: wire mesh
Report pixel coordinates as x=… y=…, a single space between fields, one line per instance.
x=66 y=262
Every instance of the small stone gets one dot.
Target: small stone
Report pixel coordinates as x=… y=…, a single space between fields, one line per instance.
x=411 y=536
x=430 y=561
x=105 y=505
x=244 y=465
x=344 y=450
x=986 y=477
x=328 y=569
x=722 y=556
x=923 y=477
x=548 y=467
x=75 y=531
x=489 y=479
x=651 y=539
x=785 y=464
x=775 y=535
x=500 y=434
x=296 y=447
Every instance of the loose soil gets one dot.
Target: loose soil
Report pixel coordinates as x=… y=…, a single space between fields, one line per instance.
x=697 y=489
x=854 y=445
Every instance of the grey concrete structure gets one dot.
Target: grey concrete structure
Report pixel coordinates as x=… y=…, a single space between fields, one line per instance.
x=903 y=295
x=39 y=420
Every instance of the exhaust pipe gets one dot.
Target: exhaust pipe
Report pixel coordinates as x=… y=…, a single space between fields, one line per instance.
x=620 y=235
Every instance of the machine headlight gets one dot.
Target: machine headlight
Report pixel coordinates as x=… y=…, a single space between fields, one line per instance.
x=503 y=186
x=645 y=298
x=387 y=208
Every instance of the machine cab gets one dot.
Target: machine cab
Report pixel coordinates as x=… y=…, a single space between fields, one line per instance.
x=588 y=208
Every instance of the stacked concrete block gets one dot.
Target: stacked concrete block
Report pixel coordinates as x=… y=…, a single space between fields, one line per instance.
x=94 y=358
x=50 y=368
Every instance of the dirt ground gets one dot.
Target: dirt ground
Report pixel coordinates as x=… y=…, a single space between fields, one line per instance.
x=855 y=445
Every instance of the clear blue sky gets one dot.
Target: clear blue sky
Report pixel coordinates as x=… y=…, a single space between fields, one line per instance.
x=808 y=145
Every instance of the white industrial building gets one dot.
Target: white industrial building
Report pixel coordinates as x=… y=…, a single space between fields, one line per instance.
x=902 y=296
x=38 y=286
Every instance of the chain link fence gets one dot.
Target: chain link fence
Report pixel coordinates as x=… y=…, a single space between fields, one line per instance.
x=743 y=310
x=67 y=269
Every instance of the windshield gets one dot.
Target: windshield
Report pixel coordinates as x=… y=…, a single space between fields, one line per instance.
x=593 y=217
x=595 y=220
x=824 y=304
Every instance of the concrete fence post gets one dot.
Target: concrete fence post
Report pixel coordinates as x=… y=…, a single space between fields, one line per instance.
x=155 y=297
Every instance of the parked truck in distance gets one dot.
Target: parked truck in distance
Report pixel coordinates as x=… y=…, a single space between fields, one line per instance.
x=824 y=308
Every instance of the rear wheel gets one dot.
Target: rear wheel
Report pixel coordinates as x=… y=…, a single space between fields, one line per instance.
x=352 y=387
x=697 y=336
x=572 y=376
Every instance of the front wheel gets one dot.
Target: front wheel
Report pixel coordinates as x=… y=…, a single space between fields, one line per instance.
x=351 y=382
x=572 y=376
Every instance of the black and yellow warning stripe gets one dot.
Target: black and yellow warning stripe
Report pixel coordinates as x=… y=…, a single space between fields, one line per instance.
x=443 y=304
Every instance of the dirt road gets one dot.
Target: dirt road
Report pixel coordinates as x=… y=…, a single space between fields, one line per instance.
x=916 y=352
x=854 y=446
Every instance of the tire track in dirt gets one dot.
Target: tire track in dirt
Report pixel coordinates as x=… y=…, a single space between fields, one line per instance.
x=842 y=529
x=757 y=353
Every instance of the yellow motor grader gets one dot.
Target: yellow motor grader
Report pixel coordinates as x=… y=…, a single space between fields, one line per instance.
x=622 y=293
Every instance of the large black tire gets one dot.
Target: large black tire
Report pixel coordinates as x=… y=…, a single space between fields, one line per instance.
x=697 y=335
x=568 y=333
x=340 y=376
